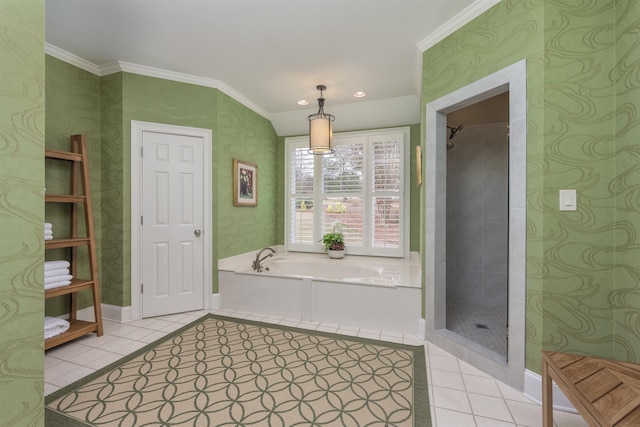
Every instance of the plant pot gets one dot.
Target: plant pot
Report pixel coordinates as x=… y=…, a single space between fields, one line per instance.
x=336 y=254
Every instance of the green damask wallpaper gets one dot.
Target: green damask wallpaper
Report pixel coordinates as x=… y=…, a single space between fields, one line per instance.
x=415 y=230
x=590 y=277
x=103 y=107
x=237 y=132
x=72 y=102
x=583 y=96
x=152 y=100
x=582 y=133
x=245 y=135
x=624 y=187
x=112 y=197
x=22 y=109
x=578 y=151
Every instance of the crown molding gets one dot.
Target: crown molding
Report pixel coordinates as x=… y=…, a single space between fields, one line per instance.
x=109 y=68
x=127 y=67
x=70 y=58
x=471 y=12
x=191 y=79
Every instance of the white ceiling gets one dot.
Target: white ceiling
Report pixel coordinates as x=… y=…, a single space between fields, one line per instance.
x=270 y=53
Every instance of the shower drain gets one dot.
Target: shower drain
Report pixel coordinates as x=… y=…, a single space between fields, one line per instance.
x=481 y=326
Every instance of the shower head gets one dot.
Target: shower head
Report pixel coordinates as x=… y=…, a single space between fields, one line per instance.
x=454 y=130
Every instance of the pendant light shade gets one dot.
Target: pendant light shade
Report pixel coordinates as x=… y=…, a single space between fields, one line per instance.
x=320 y=128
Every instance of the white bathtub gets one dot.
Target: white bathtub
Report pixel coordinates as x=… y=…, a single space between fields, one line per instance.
x=317 y=269
x=365 y=292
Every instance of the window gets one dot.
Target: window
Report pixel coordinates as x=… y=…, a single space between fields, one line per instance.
x=359 y=190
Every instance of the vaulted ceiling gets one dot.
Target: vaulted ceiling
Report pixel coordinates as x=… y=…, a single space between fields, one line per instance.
x=271 y=53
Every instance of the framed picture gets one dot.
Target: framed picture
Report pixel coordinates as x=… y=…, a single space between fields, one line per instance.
x=245 y=183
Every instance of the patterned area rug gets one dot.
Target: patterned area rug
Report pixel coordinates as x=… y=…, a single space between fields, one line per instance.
x=221 y=371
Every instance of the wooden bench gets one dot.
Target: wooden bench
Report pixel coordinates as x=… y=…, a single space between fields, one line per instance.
x=604 y=392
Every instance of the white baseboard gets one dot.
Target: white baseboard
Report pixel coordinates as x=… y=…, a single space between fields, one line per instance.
x=216 y=301
x=110 y=312
x=533 y=390
x=119 y=314
x=422 y=329
x=116 y=313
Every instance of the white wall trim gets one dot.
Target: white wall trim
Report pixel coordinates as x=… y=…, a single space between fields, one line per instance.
x=70 y=58
x=113 y=313
x=471 y=12
x=216 y=302
x=379 y=113
x=137 y=130
x=513 y=79
x=533 y=390
x=110 y=68
x=422 y=329
x=196 y=80
x=118 y=66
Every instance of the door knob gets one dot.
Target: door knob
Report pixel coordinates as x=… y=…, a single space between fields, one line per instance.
x=197 y=233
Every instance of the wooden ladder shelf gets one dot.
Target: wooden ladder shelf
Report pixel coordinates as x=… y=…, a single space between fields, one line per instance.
x=80 y=197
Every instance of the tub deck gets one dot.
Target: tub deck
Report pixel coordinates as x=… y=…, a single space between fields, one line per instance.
x=364 y=292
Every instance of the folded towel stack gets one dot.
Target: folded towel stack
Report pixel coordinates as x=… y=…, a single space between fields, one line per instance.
x=56 y=274
x=48 y=231
x=54 y=326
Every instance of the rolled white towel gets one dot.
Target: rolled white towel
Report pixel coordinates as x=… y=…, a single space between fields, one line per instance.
x=48 y=232
x=54 y=326
x=48 y=226
x=54 y=273
x=48 y=237
x=54 y=279
x=57 y=284
x=55 y=265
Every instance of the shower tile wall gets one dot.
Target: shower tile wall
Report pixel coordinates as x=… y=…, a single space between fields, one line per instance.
x=478 y=215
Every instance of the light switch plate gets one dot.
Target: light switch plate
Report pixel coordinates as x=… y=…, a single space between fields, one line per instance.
x=568 y=200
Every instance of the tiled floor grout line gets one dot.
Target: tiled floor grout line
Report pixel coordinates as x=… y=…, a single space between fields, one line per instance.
x=464 y=384
x=61 y=371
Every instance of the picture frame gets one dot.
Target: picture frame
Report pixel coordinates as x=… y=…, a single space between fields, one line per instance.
x=245 y=183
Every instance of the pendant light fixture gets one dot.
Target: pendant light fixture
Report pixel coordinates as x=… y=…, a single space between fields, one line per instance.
x=320 y=132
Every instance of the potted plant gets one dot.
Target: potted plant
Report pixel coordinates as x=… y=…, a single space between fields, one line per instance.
x=334 y=242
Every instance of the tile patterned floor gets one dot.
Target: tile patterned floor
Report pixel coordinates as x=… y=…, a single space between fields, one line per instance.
x=463 y=317
x=460 y=395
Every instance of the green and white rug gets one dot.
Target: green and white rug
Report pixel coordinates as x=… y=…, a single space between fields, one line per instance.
x=221 y=371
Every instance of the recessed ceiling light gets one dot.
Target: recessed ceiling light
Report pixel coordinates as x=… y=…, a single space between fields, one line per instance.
x=360 y=94
x=303 y=102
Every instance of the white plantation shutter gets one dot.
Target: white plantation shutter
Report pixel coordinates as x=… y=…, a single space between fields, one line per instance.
x=343 y=190
x=301 y=196
x=386 y=177
x=358 y=190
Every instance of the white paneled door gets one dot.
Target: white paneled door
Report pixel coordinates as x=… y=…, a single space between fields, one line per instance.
x=172 y=223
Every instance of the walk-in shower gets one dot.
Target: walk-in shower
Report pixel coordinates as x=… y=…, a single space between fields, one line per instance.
x=477 y=213
x=438 y=188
